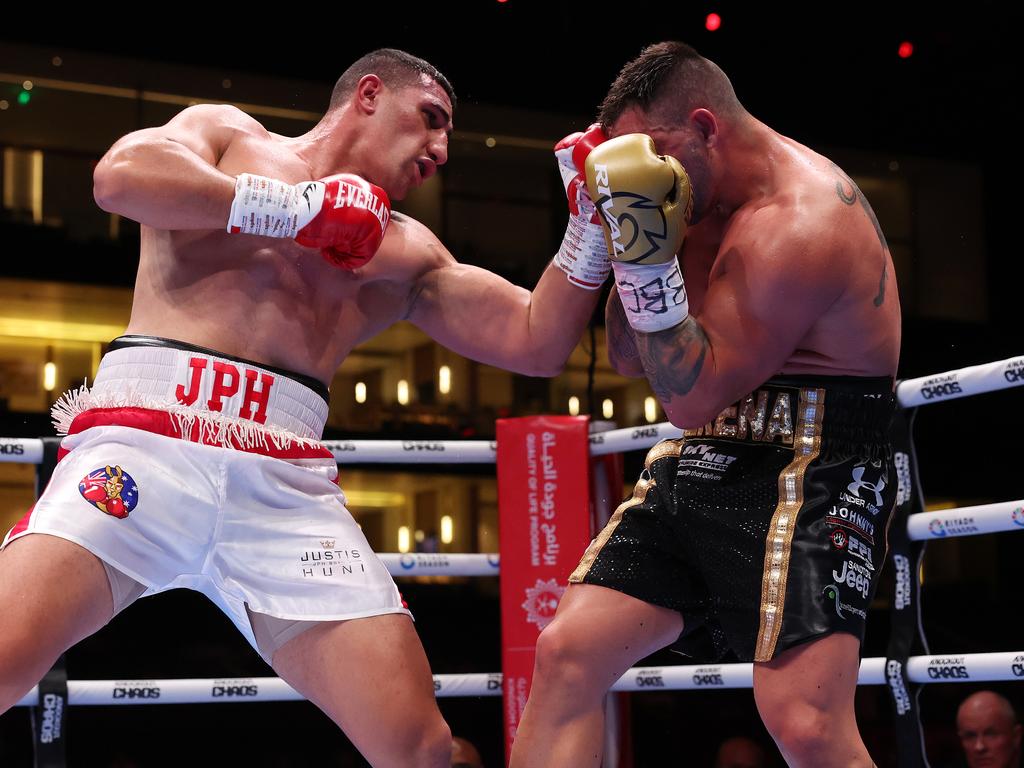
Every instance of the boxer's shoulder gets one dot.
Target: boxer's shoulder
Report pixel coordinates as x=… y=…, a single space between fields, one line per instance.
x=412 y=243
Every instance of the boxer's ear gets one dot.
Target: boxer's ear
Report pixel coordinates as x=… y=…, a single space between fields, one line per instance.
x=368 y=93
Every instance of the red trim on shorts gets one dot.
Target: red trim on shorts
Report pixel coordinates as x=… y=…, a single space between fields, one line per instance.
x=163 y=423
x=20 y=527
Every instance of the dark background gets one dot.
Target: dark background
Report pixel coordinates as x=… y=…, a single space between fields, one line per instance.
x=826 y=74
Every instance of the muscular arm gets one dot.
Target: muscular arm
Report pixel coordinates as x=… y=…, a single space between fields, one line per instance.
x=620 y=339
x=772 y=282
x=167 y=177
x=484 y=317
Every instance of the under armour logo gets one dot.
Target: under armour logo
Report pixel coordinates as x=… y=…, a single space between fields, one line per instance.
x=859 y=482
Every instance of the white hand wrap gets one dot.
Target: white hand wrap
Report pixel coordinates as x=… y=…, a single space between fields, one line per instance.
x=273 y=208
x=583 y=255
x=653 y=296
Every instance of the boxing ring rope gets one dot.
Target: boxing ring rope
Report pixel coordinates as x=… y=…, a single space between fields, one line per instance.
x=922 y=526
x=971 y=667
x=973 y=380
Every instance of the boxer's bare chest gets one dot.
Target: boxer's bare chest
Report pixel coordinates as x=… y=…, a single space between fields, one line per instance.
x=264 y=299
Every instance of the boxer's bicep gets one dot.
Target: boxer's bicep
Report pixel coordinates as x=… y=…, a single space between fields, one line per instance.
x=758 y=309
x=473 y=312
x=764 y=295
x=169 y=164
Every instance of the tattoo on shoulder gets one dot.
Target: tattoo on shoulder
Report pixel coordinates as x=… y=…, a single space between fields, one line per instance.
x=850 y=194
x=673 y=358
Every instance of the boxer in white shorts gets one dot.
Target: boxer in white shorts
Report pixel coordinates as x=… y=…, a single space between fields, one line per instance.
x=194 y=458
x=260 y=529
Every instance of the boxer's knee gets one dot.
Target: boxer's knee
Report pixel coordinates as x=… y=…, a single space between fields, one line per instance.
x=565 y=663
x=424 y=741
x=805 y=734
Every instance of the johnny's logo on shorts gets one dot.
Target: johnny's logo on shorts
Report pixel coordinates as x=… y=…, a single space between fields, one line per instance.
x=110 y=490
x=224 y=389
x=764 y=416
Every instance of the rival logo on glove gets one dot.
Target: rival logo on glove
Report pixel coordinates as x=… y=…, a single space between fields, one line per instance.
x=616 y=223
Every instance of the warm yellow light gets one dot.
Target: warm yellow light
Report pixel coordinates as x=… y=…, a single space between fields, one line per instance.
x=360 y=392
x=403 y=538
x=377 y=499
x=650 y=409
x=574 y=406
x=58 y=329
x=447 y=529
x=403 y=392
x=607 y=408
x=419 y=536
x=50 y=377
x=444 y=380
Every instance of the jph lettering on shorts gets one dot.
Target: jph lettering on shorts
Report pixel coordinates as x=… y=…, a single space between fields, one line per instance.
x=226 y=387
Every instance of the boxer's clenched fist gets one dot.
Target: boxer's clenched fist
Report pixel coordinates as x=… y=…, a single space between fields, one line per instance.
x=644 y=201
x=343 y=215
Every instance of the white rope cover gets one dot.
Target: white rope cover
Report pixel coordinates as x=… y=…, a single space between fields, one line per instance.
x=949 y=668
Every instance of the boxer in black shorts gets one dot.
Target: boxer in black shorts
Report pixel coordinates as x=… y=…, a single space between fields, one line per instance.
x=771 y=337
x=765 y=528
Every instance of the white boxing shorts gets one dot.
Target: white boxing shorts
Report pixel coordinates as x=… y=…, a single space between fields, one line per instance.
x=186 y=468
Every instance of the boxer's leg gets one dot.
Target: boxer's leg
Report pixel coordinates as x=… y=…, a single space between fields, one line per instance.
x=372 y=678
x=806 y=695
x=53 y=593
x=596 y=635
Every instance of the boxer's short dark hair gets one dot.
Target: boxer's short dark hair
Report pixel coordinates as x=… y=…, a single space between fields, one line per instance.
x=668 y=75
x=394 y=67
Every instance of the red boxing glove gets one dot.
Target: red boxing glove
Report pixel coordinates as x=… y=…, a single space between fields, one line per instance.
x=115 y=507
x=571 y=153
x=95 y=493
x=583 y=255
x=343 y=215
x=350 y=224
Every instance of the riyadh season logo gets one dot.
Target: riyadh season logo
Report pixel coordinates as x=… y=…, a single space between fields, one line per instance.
x=935 y=528
x=1017 y=516
x=542 y=602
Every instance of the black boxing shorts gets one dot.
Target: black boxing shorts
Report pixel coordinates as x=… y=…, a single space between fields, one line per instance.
x=765 y=528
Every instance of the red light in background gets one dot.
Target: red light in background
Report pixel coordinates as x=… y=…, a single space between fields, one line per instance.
x=906 y=49
x=712 y=22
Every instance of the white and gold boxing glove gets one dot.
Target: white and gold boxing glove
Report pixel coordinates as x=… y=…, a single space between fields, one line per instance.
x=645 y=201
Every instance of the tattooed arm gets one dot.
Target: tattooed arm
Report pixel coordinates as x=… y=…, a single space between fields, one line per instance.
x=773 y=279
x=620 y=339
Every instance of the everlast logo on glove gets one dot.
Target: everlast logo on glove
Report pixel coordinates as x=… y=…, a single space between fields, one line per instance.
x=351 y=196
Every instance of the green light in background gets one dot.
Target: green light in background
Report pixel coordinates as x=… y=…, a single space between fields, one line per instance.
x=23 y=97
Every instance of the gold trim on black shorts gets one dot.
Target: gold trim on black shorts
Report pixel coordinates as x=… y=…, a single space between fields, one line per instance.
x=779 y=541
x=659 y=451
